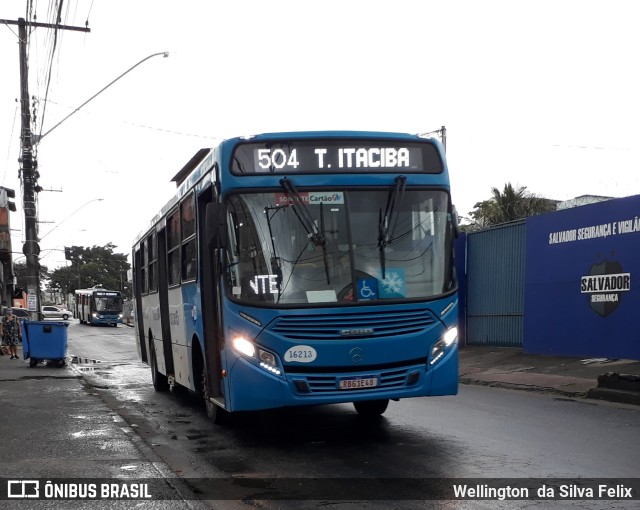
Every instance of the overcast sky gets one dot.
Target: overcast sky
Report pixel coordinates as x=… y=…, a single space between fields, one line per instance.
x=543 y=94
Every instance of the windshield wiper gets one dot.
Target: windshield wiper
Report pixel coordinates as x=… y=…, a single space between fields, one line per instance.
x=275 y=260
x=315 y=234
x=387 y=223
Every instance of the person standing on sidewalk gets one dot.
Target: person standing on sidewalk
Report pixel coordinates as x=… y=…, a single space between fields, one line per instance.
x=10 y=332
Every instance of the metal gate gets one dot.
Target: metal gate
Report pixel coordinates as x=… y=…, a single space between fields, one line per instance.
x=495 y=286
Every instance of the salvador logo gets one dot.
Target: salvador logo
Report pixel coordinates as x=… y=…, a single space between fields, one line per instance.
x=604 y=286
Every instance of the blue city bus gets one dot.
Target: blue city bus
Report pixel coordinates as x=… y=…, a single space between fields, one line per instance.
x=295 y=269
x=97 y=306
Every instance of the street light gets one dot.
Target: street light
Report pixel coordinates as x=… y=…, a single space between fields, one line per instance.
x=31 y=247
x=37 y=138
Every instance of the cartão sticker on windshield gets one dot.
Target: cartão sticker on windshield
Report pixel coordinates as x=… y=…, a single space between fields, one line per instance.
x=312 y=197
x=301 y=354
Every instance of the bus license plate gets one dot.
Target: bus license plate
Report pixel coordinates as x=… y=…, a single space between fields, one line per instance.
x=358 y=382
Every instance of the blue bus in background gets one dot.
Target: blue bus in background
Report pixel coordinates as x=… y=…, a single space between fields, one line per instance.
x=307 y=268
x=97 y=306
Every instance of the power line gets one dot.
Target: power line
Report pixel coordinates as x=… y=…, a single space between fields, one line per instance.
x=53 y=51
x=144 y=126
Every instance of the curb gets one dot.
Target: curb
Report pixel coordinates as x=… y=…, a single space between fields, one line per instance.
x=610 y=394
x=615 y=395
x=615 y=387
x=524 y=387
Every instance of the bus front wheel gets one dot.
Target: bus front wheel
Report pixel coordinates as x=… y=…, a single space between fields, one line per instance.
x=371 y=408
x=160 y=381
x=215 y=413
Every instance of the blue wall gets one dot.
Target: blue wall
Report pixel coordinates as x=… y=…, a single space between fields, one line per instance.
x=574 y=305
x=461 y=263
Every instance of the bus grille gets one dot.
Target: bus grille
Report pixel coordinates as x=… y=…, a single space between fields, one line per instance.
x=360 y=325
x=327 y=383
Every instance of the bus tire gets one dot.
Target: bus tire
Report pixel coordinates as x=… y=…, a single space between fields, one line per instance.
x=160 y=381
x=371 y=408
x=215 y=413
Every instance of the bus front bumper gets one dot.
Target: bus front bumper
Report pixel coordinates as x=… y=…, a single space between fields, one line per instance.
x=255 y=389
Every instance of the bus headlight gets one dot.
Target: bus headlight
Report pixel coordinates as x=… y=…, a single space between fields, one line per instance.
x=266 y=360
x=440 y=347
x=244 y=346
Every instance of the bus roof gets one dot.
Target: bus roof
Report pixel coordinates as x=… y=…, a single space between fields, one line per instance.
x=304 y=135
x=190 y=166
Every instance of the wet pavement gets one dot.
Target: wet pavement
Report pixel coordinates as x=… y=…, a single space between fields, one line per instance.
x=56 y=425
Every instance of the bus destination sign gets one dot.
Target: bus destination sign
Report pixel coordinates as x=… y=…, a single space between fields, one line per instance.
x=328 y=156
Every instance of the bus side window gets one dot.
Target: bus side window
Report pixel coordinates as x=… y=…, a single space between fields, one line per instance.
x=144 y=282
x=189 y=263
x=152 y=273
x=173 y=249
x=188 y=229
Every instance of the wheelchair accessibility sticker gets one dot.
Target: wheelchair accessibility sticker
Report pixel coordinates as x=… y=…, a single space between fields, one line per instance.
x=367 y=289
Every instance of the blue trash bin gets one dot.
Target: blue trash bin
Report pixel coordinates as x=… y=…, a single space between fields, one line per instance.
x=44 y=341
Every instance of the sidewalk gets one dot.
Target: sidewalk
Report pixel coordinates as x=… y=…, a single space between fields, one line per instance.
x=509 y=367
x=57 y=427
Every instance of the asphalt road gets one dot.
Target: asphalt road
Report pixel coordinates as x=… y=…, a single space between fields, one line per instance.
x=483 y=432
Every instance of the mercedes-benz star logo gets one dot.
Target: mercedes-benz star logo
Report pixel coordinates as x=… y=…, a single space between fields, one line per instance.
x=356 y=354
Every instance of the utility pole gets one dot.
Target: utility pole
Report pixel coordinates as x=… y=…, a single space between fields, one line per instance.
x=29 y=167
x=31 y=249
x=442 y=133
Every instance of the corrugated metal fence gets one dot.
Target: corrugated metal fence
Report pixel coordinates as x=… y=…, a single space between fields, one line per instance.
x=495 y=286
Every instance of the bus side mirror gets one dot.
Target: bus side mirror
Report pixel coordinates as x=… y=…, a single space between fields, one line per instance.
x=216 y=226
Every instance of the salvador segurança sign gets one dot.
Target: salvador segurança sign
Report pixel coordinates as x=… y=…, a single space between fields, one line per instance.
x=582 y=296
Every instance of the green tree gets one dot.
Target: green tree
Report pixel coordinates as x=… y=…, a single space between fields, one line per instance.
x=20 y=272
x=89 y=267
x=510 y=204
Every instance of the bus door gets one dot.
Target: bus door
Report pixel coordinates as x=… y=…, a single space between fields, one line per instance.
x=210 y=288
x=164 y=301
x=137 y=290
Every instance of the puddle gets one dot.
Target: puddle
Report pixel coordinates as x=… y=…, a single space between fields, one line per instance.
x=85 y=361
x=90 y=433
x=85 y=369
x=196 y=436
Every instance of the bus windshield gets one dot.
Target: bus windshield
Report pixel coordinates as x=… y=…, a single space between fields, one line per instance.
x=325 y=246
x=108 y=304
